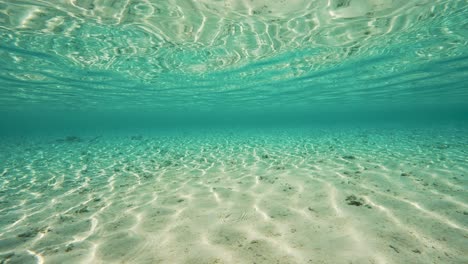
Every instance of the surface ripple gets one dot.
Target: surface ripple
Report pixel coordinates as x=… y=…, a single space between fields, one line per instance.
x=204 y=55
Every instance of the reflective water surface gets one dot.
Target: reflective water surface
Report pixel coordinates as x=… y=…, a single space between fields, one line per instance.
x=232 y=54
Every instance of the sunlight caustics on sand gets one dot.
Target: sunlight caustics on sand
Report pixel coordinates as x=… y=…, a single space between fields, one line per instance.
x=355 y=196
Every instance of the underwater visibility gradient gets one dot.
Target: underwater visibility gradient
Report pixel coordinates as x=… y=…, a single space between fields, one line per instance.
x=234 y=131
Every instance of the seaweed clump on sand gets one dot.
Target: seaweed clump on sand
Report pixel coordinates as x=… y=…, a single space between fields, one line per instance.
x=353 y=200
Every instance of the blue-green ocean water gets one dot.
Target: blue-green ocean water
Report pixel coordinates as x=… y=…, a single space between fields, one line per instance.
x=233 y=131
x=107 y=62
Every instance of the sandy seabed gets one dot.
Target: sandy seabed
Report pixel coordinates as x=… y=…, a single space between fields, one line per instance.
x=341 y=196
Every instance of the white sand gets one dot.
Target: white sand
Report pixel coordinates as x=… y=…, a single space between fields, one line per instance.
x=227 y=198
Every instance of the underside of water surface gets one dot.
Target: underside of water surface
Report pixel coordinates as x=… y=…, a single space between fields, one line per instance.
x=233 y=131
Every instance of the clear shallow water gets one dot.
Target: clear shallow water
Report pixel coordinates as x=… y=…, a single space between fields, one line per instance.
x=198 y=56
x=233 y=131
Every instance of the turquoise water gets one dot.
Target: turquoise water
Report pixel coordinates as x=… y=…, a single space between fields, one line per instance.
x=234 y=131
x=233 y=57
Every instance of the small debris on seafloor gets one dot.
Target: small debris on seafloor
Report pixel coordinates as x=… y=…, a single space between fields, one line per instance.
x=70 y=139
x=405 y=174
x=29 y=233
x=348 y=157
x=83 y=209
x=73 y=139
x=442 y=146
x=32 y=232
x=94 y=139
x=4 y=258
x=353 y=200
x=69 y=248
x=394 y=248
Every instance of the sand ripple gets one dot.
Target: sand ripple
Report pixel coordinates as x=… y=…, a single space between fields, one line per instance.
x=312 y=197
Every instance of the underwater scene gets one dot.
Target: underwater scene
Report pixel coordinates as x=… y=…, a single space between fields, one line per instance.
x=234 y=131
